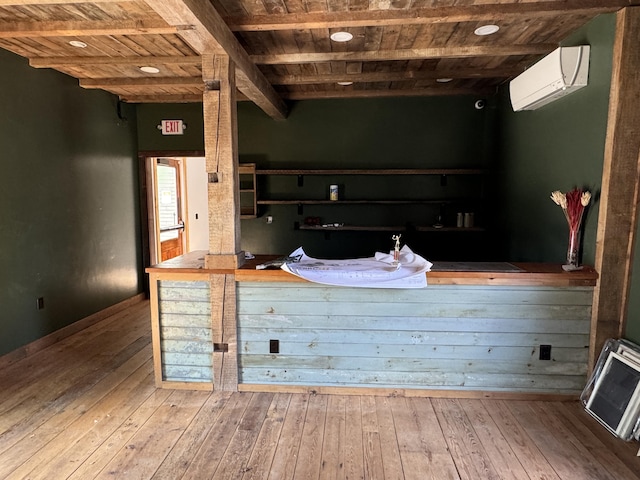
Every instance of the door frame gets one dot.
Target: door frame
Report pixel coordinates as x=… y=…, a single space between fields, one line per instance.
x=179 y=164
x=147 y=200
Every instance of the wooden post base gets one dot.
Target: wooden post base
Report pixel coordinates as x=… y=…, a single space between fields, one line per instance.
x=224 y=261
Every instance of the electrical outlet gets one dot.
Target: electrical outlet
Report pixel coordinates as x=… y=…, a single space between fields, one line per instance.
x=40 y=303
x=545 y=352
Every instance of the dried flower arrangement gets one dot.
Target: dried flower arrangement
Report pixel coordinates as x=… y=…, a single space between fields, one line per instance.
x=573 y=204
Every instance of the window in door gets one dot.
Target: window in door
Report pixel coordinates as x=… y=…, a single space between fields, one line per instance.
x=169 y=208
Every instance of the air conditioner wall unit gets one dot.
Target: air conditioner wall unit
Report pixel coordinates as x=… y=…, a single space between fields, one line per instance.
x=560 y=73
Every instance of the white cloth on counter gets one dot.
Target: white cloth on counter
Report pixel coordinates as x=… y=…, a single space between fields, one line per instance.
x=380 y=271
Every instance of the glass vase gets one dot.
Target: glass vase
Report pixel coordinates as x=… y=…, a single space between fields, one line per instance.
x=573 y=248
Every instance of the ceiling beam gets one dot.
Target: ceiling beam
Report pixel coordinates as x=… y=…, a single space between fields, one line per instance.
x=61 y=62
x=20 y=3
x=212 y=36
x=109 y=83
x=381 y=18
x=406 y=54
x=170 y=98
x=74 y=29
x=418 y=92
x=180 y=98
x=392 y=76
x=369 y=77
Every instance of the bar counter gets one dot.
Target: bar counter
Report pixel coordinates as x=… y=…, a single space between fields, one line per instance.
x=543 y=274
x=472 y=333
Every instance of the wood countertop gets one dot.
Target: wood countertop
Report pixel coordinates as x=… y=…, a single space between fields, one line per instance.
x=450 y=273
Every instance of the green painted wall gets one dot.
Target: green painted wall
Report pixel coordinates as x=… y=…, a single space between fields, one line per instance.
x=557 y=147
x=365 y=133
x=69 y=202
x=633 y=309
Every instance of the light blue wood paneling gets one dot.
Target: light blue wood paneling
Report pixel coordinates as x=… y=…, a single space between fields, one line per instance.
x=463 y=337
x=185 y=331
x=508 y=295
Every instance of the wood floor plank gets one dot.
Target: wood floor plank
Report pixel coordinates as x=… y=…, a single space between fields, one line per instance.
x=423 y=448
x=147 y=449
x=19 y=389
x=574 y=447
x=555 y=443
x=310 y=453
x=212 y=451
x=51 y=362
x=27 y=401
x=34 y=434
x=529 y=455
x=353 y=447
x=235 y=462
x=592 y=443
x=627 y=452
x=373 y=467
x=97 y=461
x=94 y=423
x=178 y=460
x=259 y=464
x=495 y=444
x=95 y=438
x=469 y=455
x=391 y=462
x=333 y=447
x=286 y=456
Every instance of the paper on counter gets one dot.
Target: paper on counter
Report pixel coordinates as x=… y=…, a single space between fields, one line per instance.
x=380 y=271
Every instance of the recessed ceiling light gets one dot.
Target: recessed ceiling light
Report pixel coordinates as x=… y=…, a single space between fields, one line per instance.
x=149 y=69
x=344 y=84
x=486 y=30
x=77 y=44
x=341 y=36
x=443 y=80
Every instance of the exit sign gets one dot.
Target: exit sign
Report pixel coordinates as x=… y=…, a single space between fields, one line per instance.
x=172 y=127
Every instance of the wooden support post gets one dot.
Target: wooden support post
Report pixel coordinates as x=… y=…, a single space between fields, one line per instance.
x=617 y=220
x=221 y=151
x=155 y=328
x=223 y=330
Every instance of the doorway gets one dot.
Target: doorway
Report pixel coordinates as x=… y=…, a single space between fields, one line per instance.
x=176 y=206
x=169 y=205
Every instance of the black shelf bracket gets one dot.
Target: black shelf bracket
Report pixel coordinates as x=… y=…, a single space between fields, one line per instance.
x=300 y=209
x=300 y=180
x=443 y=180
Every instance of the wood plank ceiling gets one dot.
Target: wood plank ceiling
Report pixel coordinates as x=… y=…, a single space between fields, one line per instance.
x=282 y=48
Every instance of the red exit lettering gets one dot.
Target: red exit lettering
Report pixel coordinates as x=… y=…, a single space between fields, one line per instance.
x=172 y=127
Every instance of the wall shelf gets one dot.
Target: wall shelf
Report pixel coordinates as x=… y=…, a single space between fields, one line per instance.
x=360 y=202
x=372 y=228
x=377 y=171
x=466 y=194
x=248 y=193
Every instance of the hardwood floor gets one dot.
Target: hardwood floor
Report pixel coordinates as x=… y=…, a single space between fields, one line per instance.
x=87 y=408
